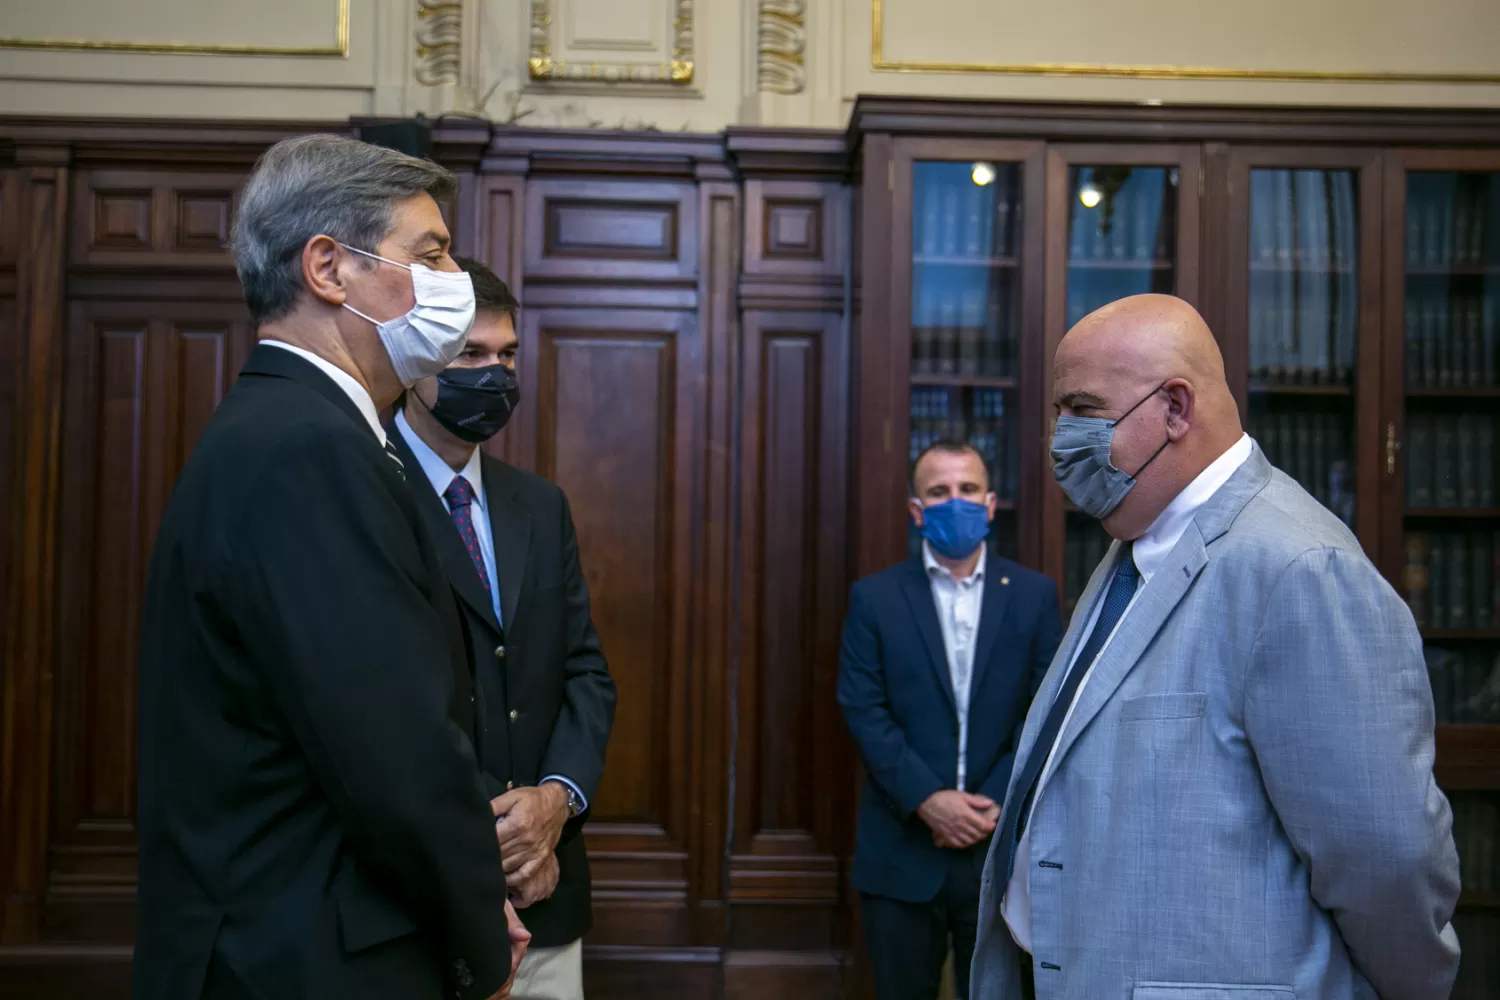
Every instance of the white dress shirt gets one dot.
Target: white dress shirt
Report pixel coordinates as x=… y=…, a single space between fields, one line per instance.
x=344 y=381
x=1149 y=551
x=441 y=475
x=958 y=605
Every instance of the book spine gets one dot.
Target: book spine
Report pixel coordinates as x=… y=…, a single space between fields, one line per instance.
x=1445 y=482
x=1474 y=341
x=1468 y=462
x=1458 y=581
x=1437 y=581
x=1419 y=461
x=1486 y=460
x=1482 y=566
x=1414 y=576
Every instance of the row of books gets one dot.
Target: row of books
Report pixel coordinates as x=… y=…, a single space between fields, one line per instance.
x=1451 y=340
x=1083 y=549
x=1137 y=224
x=1312 y=448
x=981 y=423
x=1476 y=821
x=1479 y=968
x=1450 y=227
x=964 y=331
x=1303 y=218
x=956 y=218
x=1450 y=460
x=1465 y=684
x=1304 y=339
x=1450 y=579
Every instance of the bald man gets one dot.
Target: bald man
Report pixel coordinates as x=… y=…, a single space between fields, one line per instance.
x=1224 y=788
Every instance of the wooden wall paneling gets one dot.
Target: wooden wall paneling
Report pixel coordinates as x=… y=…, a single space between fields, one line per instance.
x=11 y=182
x=613 y=398
x=30 y=625
x=498 y=240
x=143 y=379
x=875 y=391
x=785 y=870
x=717 y=556
x=139 y=218
x=598 y=230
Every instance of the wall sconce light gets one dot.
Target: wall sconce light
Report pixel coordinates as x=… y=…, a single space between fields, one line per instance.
x=982 y=174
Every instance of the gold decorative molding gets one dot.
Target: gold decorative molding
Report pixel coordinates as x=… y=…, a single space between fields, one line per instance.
x=340 y=48
x=781 y=46
x=542 y=66
x=440 y=35
x=880 y=64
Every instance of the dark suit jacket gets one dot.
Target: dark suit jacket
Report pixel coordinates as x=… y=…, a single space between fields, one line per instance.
x=312 y=814
x=547 y=699
x=897 y=697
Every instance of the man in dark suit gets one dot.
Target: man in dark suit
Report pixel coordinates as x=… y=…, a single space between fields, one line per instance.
x=941 y=657
x=506 y=541
x=313 y=820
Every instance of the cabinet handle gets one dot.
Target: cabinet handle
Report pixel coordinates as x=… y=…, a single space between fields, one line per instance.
x=1391 y=447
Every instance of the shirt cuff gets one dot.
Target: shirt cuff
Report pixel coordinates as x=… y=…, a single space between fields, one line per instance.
x=576 y=790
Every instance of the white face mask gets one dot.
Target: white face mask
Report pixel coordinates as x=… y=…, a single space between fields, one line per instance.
x=427 y=339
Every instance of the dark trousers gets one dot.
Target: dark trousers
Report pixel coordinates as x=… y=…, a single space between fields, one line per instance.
x=907 y=942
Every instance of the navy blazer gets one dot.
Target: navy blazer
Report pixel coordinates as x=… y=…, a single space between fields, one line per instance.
x=897 y=698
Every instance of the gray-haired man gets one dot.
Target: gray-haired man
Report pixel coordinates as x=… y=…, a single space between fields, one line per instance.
x=312 y=818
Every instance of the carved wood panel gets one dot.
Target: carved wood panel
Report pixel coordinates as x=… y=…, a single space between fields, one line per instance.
x=791 y=754
x=611 y=229
x=610 y=421
x=142 y=380
x=146 y=218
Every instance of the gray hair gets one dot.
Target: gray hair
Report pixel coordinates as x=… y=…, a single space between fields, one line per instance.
x=319 y=185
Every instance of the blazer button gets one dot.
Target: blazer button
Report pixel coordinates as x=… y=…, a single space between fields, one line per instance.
x=462 y=974
x=509 y=785
x=514 y=715
x=499 y=652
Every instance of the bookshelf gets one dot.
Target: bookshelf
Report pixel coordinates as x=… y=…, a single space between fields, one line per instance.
x=1127 y=226
x=966 y=289
x=1441 y=385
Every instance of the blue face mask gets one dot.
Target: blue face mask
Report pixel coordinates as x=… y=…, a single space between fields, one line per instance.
x=955 y=528
x=1082 y=466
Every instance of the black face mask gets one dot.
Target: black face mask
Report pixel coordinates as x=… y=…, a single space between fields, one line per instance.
x=475 y=403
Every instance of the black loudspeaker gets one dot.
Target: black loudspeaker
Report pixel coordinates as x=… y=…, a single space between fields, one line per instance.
x=412 y=137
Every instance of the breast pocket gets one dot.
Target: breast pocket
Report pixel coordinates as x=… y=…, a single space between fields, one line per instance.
x=1210 y=991
x=1160 y=707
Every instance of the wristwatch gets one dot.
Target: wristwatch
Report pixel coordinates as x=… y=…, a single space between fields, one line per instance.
x=575 y=801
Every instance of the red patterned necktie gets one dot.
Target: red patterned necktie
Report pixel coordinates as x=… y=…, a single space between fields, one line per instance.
x=460 y=499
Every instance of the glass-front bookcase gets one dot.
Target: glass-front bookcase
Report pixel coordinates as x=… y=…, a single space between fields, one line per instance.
x=1127 y=224
x=1443 y=380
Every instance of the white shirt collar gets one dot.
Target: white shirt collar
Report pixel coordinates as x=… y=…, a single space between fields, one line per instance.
x=932 y=565
x=344 y=381
x=1153 y=547
x=439 y=472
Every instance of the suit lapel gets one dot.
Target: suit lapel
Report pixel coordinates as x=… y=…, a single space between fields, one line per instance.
x=1159 y=598
x=451 y=550
x=992 y=615
x=1047 y=693
x=918 y=591
x=510 y=527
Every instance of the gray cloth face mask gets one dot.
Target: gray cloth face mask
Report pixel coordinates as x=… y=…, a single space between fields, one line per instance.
x=1081 y=461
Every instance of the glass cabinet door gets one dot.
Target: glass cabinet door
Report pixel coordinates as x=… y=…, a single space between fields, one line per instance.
x=966 y=320
x=1303 y=323
x=1125 y=225
x=1443 y=381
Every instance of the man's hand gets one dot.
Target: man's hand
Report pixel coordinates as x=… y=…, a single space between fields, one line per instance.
x=530 y=823
x=520 y=939
x=533 y=881
x=959 y=819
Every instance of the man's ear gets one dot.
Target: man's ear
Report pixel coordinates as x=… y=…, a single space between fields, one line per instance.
x=322 y=269
x=914 y=508
x=1181 y=407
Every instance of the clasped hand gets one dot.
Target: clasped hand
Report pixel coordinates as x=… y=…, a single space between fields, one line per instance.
x=529 y=823
x=959 y=819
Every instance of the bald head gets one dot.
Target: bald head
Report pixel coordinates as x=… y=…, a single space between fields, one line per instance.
x=1151 y=360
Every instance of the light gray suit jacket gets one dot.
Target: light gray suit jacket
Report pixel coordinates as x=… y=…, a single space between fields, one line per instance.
x=1243 y=805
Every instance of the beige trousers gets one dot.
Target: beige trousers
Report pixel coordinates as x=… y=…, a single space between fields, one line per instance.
x=551 y=974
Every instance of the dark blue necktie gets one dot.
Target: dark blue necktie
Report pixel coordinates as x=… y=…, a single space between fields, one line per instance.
x=1121 y=590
